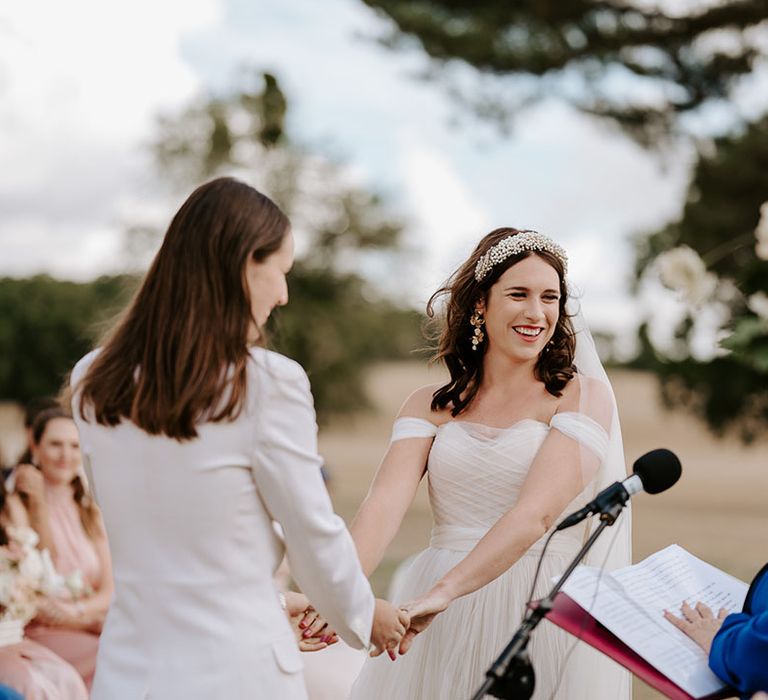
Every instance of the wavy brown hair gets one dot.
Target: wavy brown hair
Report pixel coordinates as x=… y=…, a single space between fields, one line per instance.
x=180 y=352
x=454 y=342
x=89 y=513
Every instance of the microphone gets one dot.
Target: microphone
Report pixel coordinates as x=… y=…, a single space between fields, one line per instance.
x=654 y=472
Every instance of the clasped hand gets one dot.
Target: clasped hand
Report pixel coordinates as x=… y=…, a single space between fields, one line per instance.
x=402 y=625
x=393 y=630
x=311 y=628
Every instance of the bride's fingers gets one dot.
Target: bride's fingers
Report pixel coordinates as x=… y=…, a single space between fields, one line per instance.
x=407 y=640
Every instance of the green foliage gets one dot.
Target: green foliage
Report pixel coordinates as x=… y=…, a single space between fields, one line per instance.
x=334 y=325
x=46 y=325
x=749 y=343
x=722 y=209
x=335 y=331
x=581 y=50
x=729 y=183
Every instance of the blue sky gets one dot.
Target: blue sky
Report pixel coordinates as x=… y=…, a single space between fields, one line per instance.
x=80 y=89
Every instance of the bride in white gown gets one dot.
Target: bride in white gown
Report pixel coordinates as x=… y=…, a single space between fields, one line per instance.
x=525 y=429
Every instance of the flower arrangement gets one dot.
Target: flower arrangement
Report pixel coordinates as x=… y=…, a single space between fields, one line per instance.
x=25 y=574
x=746 y=323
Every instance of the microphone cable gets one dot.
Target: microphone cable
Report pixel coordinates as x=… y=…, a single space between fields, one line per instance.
x=583 y=624
x=538 y=567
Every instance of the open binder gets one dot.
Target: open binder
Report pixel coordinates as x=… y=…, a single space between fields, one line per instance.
x=578 y=622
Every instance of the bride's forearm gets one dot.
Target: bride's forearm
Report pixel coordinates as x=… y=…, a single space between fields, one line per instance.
x=373 y=528
x=494 y=554
x=392 y=492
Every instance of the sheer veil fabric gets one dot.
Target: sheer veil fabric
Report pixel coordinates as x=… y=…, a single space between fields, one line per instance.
x=584 y=667
x=613 y=549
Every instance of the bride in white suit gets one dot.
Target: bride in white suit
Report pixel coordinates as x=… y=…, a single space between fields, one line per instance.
x=198 y=441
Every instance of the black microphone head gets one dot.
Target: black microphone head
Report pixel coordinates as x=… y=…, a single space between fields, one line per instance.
x=658 y=470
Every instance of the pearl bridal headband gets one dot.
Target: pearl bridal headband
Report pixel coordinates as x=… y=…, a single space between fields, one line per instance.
x=514 y=245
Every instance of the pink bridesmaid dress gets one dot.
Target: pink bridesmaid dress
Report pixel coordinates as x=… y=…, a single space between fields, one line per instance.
x=74 y=551
x=39 y=674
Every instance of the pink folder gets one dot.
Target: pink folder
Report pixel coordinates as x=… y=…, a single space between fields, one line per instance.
x=578 y=622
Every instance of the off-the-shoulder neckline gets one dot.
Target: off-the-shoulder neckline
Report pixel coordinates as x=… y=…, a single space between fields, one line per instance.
x=492 y=427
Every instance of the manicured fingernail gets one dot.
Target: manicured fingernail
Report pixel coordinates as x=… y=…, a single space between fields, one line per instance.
x=391 y=654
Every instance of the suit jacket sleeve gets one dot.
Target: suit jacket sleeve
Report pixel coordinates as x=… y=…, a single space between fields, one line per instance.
x=739 y=653
x=286 y=466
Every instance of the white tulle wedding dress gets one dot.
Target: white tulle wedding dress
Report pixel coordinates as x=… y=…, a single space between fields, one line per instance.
x=475 y=473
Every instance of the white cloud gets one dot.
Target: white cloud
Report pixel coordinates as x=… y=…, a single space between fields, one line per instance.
x=446 y=221
x=81 y=83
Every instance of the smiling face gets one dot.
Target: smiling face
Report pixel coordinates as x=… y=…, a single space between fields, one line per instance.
x=58 y=451
x=266 y=283
x=522 y=309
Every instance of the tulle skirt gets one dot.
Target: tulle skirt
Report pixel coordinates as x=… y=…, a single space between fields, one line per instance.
x=448 y=661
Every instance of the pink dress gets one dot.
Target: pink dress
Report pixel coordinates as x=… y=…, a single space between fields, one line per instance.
x=74 y=551
x=39 y=674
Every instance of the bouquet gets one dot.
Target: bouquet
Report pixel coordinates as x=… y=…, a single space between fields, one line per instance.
x=25 y=574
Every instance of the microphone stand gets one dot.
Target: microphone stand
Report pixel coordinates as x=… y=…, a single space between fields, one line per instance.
x=511 y=676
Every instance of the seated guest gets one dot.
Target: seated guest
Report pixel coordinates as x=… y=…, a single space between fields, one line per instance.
x=31 y=411
x=74 y=527
x=737 y=644
x=28 y=669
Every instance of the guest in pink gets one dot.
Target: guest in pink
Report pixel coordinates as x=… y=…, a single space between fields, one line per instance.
x=74 y=528
x=26 y=666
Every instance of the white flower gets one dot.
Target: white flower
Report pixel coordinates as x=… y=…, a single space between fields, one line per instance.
x=683 y=270
x=75 y=583
x=7 y=580
x=31 y=568
x=51 y=582
x=761 y=233
x=758 y=304
x=25 y=536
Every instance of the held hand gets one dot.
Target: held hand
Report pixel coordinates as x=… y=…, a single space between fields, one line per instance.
x=311 y=628
x=389 y=625
x=699 y=623
x=29 y=483
x=422 y=611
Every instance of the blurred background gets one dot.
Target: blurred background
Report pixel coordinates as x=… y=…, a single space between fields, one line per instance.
x=395 y=134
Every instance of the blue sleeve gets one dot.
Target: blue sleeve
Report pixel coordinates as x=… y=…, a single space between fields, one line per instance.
x=739 y=653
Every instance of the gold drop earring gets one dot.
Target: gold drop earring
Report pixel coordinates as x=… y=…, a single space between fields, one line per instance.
x=477 y=321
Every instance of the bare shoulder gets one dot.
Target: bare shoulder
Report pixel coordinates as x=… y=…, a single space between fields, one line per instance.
x=419 y=405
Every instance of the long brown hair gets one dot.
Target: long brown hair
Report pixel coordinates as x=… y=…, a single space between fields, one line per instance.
x=180 y=352
x=454 y=347
x=89 y=513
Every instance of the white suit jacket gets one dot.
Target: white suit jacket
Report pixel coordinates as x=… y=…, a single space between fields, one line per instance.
x=195 y=613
